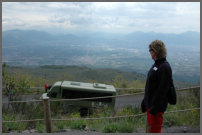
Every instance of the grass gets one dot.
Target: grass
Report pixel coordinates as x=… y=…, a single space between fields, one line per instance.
x=186 y=100
x=119 y=125
x=12 y=126
x=189 y=118
x=40 y=127
x=75 y=124
x=58 y=125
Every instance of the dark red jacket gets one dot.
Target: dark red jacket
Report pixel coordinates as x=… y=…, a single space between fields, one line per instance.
x=157 y=86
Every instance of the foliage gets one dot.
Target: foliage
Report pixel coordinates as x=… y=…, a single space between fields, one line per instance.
x=103 y=112
x=20 y=82
x=40 y=127
x=12 y=126
x=16 y=85
x=56 y=108
x=187 y=99
x=119 y=82
x=75 y=124
x=59 y=124
x=116 y=125
x=50 y=74
x=129 y=110
x=118 y=128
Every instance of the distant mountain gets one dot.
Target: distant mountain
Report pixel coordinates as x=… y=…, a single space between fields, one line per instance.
x=128 y=52
x=33 y=37
x=30 y=37
x=23 y=37
x=186 y=38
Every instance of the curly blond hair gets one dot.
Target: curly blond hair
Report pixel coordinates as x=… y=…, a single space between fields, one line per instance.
x=159 y=48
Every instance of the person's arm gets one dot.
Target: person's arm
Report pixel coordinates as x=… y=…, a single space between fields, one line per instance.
x=143 y=107
x=164 y=75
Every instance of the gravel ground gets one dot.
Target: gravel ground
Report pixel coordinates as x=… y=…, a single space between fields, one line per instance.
x=174 y=129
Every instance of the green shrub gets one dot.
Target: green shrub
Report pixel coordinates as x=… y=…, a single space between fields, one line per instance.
x=110 y=128
x=126 y=127
x=187 y=99
x=170 y=119
x=56 y=108
x=118 y=128
x=77 y=124
x=40 y=127
x=60 y=124
x=129 y=110
x=13 y=126
x=19 y=126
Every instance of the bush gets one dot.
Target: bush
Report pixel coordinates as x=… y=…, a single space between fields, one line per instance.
x=118 y=128
x=40 y=127
x=6 y=127
x=103 y=112
x=170 y=119
x=77 y=124
x=187 y=99
x=60 y=124
x=129 y=110
x=56 y=108
x=110 y=128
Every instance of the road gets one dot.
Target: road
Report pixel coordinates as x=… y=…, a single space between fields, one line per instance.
x=133 y=100
x=24 y=97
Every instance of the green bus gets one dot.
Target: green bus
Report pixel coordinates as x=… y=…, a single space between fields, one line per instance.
x=78 y=90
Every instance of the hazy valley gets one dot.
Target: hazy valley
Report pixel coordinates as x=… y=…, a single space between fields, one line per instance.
x=102 y=50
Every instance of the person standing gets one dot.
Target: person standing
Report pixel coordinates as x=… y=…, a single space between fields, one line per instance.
x=158 y=83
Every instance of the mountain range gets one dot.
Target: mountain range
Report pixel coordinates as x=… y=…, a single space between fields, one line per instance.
x=104 y=50
x=27 y=37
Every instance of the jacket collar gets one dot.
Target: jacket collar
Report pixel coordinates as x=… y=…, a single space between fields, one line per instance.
x=160 y=60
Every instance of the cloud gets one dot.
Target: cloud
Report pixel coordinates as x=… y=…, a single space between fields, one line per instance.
x=10 y=21
x=122 y=17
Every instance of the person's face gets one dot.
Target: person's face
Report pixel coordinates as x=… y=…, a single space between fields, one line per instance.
x=153 y=54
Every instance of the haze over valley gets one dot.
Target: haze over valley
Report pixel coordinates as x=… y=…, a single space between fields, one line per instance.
x=128 y=52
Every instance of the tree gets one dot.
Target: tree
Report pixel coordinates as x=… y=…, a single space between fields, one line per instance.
x=16 y=85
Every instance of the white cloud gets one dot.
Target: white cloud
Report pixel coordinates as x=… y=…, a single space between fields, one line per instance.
x=188 y=8
x=124 y=17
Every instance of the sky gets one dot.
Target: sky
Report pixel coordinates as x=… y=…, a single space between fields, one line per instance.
x=112 y=17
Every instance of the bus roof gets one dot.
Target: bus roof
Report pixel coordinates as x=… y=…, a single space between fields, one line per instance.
x=98 y=87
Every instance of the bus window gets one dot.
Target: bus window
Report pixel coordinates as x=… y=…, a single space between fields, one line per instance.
x=71 y=94
x=53 y=95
